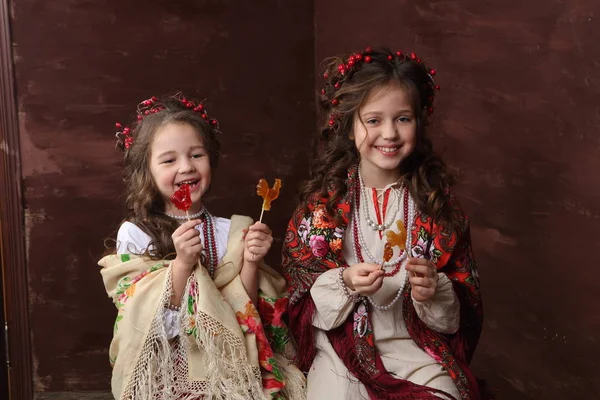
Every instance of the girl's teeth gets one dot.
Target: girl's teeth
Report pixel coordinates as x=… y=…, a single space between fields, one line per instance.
x=187 y=183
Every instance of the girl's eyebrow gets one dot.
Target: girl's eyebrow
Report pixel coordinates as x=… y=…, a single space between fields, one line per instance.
x=199 y=146
x=402 y=111
x=165 y=153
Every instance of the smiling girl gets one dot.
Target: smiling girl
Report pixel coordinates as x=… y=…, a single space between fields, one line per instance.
x=199 y=313
x=370 y=322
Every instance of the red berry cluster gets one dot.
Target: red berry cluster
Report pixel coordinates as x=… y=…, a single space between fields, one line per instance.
x=152 y=106
x=352 y=64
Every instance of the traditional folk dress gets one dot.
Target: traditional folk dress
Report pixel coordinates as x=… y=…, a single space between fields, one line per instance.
x=387 y=346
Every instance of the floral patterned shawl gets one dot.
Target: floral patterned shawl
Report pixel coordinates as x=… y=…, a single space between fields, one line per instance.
x=227 y=348
x=313 y=245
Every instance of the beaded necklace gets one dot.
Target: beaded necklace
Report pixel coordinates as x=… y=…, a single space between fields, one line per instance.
x=358 y=244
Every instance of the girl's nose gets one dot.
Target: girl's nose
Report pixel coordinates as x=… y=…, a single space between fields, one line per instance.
x=389 y=131
x=186 y=166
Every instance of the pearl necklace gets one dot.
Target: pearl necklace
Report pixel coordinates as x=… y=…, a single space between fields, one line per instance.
x=409 y=223
x=184 y=217
x=396 y=298
x=403 y=272
x=375 y=226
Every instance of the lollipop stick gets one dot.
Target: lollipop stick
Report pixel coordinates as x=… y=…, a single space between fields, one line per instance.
x=261 y=215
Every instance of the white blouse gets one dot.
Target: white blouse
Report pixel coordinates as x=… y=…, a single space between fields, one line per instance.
x=132 y=240
x=328 y=377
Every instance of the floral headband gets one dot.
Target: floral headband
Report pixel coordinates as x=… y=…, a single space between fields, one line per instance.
x=345 y=70
x=153 y=106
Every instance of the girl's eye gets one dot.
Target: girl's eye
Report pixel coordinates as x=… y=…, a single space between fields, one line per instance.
x=197 y=155
x=169 y=161
x=404 y=119
x=372 y=121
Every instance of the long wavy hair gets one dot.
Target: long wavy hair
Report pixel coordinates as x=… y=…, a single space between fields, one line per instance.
x=144 y=203
x=346 y=90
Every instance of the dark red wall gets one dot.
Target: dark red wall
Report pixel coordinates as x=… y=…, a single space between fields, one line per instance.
x=81 y=66
x=518 y=114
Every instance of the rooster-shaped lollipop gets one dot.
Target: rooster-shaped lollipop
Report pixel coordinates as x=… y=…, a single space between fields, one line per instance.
x=268 y=194
x=394 y=239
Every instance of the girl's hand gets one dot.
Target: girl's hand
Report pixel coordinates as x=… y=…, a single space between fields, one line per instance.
x=187 y=245
x=364 y=278
x=423 y=278
x=257 y=242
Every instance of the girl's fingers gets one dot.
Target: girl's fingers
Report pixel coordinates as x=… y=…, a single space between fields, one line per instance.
x=257 y=240
x=196 y=249
x=190 y=247
x=365 y=269
x=193 y=241
x=259 y=235
x=370 y=289
x=186 y=226
x=257 y=255
x=420 y=270
x=424 y=282
x=192 y=233
x=260 y=227
x=362 y=280
x=377 y=284
x=258 y=243
x=368 y=280
x=182 y=242
x=422 y=262
x=258 y=250
x=425 y=292
x=419 y=261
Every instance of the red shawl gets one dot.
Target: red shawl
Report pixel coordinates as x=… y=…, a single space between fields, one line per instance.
x=311 y=248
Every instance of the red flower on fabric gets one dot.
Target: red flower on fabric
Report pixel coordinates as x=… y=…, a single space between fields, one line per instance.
x=319 y=246
x=280 y=308
x=266 y=311
x=250 y=323
x=271 y=314
x=271 y=383
x=264 y=350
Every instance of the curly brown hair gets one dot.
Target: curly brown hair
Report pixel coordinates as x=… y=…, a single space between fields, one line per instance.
x=347 y=87
x=145 y=206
